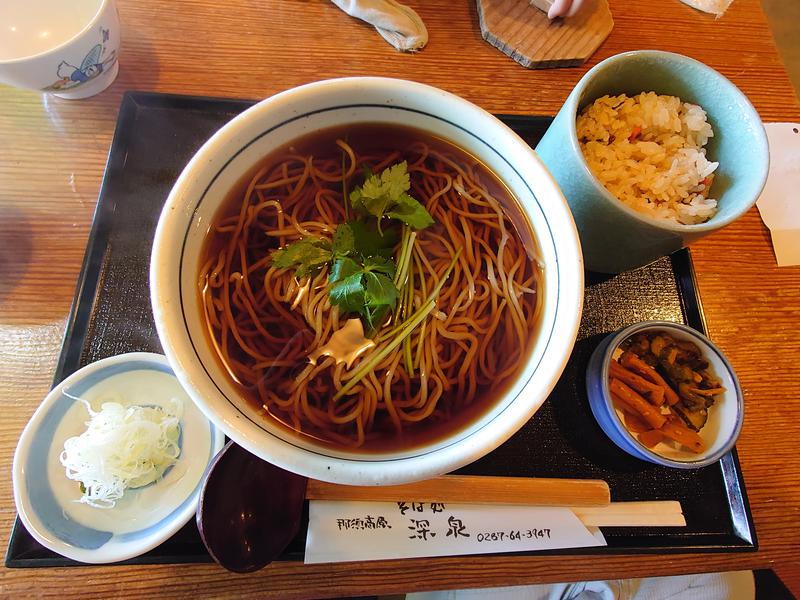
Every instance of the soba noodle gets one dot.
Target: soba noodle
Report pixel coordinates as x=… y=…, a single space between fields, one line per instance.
x=264 y=323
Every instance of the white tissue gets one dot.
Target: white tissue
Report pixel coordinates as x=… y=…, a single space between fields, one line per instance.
x=779 y=203
x=398 y=24
x=715 y=7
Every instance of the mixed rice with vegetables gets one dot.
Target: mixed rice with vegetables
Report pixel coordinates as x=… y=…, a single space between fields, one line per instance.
x=649 y=151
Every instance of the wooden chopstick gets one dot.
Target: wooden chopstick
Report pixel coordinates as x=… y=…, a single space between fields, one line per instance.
x=589 y=499
x=661 y=513
x=474 y=490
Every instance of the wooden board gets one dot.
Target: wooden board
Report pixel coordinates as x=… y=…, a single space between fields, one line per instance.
x=524 y=32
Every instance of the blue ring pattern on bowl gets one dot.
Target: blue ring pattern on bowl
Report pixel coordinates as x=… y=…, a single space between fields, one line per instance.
x=288 y=440
x=41 y=496
x=603 y=409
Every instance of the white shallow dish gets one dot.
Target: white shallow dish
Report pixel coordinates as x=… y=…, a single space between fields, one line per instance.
x=47 y=500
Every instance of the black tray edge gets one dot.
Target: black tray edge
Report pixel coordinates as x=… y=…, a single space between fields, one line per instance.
x=75 y=332
x=741 y=515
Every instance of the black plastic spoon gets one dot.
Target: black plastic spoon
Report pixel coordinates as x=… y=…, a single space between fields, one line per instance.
x=249 y=509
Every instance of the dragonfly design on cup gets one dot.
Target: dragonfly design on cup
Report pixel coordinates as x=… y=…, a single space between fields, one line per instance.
x=93 y=64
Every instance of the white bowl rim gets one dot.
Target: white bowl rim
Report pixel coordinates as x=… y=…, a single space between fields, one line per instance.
x=711 y=458
x=366 y=470
x=122 y=550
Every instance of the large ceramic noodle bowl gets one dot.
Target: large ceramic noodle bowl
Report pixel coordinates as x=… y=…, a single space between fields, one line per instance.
x=367 y=281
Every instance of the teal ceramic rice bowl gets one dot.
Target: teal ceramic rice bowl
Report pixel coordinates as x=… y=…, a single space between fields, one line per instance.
x=614 y=236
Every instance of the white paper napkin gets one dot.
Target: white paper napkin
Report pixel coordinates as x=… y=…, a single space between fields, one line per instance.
x=398 y=24
x=715 y=7
x=348 y=531
x=779 y=203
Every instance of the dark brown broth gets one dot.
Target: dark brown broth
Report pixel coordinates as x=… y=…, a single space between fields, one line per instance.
x=374 y=138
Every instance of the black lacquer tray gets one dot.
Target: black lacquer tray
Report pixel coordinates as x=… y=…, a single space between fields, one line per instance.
x=155 y=137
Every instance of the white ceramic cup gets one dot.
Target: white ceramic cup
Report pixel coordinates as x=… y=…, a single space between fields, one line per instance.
x=69 y=49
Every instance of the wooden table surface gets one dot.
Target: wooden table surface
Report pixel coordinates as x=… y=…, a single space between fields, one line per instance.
x=52 y=154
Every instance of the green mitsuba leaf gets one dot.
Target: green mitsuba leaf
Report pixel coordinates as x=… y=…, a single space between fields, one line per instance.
x=380 y=265
x=348 y=293
x=386 y=195
x=364 y=288
x=344 y=267
x=307 y=256
x=379 y=290
x=411 y=212
x=368 y=241
x=343 y=240
x=374 y=317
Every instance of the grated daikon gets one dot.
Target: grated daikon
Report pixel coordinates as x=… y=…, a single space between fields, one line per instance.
x=122 y=447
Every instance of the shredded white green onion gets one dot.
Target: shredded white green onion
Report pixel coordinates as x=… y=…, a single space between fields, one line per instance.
x=122 y=448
